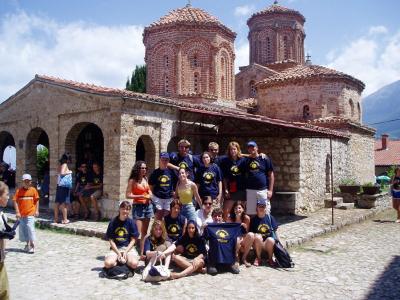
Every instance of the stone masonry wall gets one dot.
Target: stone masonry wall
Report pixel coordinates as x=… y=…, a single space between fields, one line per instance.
x=361 y=157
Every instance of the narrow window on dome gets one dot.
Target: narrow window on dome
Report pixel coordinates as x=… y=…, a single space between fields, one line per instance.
x=166 y=61
x=351 y=103
x=285 y=48
x=223 y=88
x=195 y=60
x=269 y=52
x=359 y=111
x=306 y=112
x=166 y=86
x=196 y=82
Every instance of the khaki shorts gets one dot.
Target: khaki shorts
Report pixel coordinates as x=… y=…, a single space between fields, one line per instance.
x=252 y=196
x=123 y=249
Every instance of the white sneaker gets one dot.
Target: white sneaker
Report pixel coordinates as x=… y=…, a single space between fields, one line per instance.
x=31 y=250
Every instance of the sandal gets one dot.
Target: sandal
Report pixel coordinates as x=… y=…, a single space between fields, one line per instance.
x=246 y=263
x=257 y=262
x=65 y=222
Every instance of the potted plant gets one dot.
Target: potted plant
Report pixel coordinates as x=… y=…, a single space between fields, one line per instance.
x=371 y=188
x=349 y=186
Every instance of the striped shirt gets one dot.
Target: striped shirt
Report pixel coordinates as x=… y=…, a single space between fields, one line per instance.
x=27 y=200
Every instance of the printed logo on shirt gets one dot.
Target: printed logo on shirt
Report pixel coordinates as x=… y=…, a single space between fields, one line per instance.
x=173 y=229
x=208 y=177
x=263 y=229
x=222 y=235
x=164 y=180
x=183 y=165
x=96 y=180
x=191 y=249
x=254 y=166
x=235 y=170
x=83 y=179
x=121 y=232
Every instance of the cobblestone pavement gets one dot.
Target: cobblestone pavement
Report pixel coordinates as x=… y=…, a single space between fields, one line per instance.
x=362 y=261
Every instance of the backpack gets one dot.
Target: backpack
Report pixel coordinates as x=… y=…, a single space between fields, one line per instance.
x=282 y=256
x=118 y=272
x=6 y=231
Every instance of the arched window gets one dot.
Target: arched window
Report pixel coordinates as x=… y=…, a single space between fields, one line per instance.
x=359 y=111
x=351 y=103
x=298 y=49
x=259 y=51
x=223 y=88
x=195 y=60
x=306 y=112
x=269 y=50
x=196 y=82
x=166 y=85
x=253 y=90
x=222 y=64
x=166 y=61
x=285 y=48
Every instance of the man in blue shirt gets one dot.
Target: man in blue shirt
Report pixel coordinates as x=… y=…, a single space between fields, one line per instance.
x=259 y=178
x=184 y=160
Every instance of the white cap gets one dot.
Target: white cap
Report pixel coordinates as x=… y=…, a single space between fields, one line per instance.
x=26 y=177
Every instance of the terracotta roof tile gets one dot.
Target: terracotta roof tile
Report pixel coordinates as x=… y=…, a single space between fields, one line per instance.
x=188 y=15
x=206 y=108
x=335 y=122
x=278 y=9
x=302 y=72
x=389 y=156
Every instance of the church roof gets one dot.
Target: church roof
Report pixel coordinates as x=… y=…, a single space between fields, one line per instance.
x=336 y=122
x=188 y=15
x=305 y=129
x=309 y=72
x=278 y=9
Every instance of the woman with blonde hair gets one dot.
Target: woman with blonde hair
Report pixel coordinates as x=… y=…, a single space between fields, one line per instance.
x=232 y=167
x=157 y=242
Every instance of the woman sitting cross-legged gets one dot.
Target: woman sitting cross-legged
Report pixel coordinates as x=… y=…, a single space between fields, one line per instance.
x=122 y=234
x=193 y=250
x=264 y=227
x=156 y=243
x=174 y=222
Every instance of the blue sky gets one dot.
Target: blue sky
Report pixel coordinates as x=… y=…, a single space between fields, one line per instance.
x=100 y=41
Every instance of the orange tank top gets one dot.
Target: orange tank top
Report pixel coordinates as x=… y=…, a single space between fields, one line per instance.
x=137 y=189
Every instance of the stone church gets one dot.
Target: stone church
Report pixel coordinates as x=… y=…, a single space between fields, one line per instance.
x=302 y=115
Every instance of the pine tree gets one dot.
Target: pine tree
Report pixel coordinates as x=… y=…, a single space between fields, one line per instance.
x=137 y=82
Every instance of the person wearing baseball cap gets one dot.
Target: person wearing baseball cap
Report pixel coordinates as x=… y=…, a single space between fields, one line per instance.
x=26 y=204
x=264 y=227
x=260 y=178
x=162 y=182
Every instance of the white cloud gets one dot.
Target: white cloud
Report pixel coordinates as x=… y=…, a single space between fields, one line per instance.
x=374 y=59
x=244 y=10
x=242 y=55
x=78 y=51
x=378 y=30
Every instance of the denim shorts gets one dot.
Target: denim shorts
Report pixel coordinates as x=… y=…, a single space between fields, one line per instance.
x=142 y=211
x=189 y=212
x=27 y=229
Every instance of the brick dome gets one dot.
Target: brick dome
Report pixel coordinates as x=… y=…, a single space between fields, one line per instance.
x=276 y=9
x=189 y=16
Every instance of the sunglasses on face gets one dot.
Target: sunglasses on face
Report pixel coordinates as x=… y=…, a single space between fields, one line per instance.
x=207 y=203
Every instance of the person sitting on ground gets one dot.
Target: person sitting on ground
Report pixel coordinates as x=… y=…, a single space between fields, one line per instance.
x=175 y=223
x=81 y=181
x=156 y=243
x=162 y=183
x=138 y=190
x=122 y=234
x=222 y=243
x=186 y=190
x=262 y=226
x=26 y=204
x=244 y=241
x=395 y=189
x=94 y=188
x=204 y=214
x=209 y=180
x=193 y=249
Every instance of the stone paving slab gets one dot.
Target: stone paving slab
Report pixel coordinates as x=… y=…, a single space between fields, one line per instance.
x=293 y=230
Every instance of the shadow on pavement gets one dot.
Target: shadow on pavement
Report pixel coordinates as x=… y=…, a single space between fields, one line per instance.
x=387 y=285
x=17 y=250
x=383 y=221
x=288 y=219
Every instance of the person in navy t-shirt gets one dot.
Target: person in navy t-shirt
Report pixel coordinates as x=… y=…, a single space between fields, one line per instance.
x=264 y=227
x=175 y=223
x=193 y=250
x=184 y=160
x=156 y=243
x=162 y=183
x=122 y=234
x=213 y=149
x=209 y=180
x=260 y=178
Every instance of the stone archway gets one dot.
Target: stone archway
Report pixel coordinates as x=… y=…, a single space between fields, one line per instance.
x=8 y=155
x=173 y=144
x=146 y=151
x=37 y=154
x=85 y=143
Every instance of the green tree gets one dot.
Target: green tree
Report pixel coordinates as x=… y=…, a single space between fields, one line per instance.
x=42 y=160
x=137 y=83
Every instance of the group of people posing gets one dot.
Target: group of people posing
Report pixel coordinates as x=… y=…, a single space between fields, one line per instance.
x=208 y=210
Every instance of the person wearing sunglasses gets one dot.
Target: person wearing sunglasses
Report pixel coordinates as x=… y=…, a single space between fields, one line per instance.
x=204 y=214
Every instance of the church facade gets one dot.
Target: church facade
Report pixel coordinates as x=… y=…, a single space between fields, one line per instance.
x=293 y=109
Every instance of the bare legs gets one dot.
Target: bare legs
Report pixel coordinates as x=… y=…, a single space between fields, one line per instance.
x=260 y=245
x=244 y=246
x=142 y=226
x=64 y=212
x=188 y=267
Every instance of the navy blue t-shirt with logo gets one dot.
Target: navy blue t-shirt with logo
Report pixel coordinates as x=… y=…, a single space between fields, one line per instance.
x=189 y=162
x=263 y=226
x=222 y=239
x=257 y=172
x=174 y=226
x=208 y=178
x=192 y=247
x=233 y=171
x=149 y=245
x=82 y=179
x=121 y=232
x=94 y=178
x=163 y=182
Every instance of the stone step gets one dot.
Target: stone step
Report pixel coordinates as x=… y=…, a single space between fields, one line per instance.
x=345 y=206
x=336 y=201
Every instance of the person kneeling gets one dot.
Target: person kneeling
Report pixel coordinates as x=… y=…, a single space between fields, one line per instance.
x=263 y=225
x=193 y=250
x=122 y=234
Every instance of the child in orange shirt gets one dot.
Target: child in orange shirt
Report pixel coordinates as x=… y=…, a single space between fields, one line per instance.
x=27 y=208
